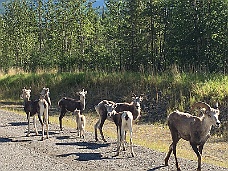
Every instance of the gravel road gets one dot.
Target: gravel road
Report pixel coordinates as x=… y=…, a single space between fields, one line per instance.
x=66 y=151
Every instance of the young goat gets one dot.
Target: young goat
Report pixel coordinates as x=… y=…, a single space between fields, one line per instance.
x=69 y=104
x=133 y=107
x=43 y=111
x=194 y=129
x=81 y=123
x=46 y=94
x=123 y=121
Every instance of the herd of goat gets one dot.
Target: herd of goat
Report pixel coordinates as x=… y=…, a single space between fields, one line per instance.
x=195 y=129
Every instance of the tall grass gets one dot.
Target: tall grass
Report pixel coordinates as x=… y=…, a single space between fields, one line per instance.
x=162 y=94
x=167 y=91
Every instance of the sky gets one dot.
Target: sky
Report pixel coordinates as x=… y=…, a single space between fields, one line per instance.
x=96 y=4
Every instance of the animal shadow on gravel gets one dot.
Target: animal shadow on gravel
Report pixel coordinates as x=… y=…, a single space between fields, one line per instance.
x=84 y=156
x=12 y=139
x=156 y=168
x=4 y=140
x=18 y=123
x=85 y=145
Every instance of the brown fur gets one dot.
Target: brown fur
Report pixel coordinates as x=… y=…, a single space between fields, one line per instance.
x=102 y=112
x=194 y=129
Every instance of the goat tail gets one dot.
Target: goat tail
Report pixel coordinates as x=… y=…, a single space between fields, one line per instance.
x=126 y=117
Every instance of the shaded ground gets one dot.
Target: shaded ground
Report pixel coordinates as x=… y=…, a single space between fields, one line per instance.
x=66 y=151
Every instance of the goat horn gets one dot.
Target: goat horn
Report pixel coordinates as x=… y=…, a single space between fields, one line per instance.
x=201 y=104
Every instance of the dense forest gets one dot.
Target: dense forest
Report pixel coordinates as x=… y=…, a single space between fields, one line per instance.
x=124 y=35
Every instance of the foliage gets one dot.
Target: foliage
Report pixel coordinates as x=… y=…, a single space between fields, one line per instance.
x=146 y=36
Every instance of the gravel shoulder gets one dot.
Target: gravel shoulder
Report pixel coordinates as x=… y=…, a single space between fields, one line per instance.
x=64 y=150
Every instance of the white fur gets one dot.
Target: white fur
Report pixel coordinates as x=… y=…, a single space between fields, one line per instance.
x=81 y=123
x=123 y=124
x=127 y=125
x=43 y=104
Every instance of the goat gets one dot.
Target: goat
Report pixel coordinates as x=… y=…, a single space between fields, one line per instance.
x=69 y=104
x=123 y=121
x=133 y=107
x=46 y=94
x=43 y=111
x=194 y=129
x=81 y=122
x=32 y=108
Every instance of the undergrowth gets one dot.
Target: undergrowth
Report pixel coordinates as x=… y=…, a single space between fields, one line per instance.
x=162 y=93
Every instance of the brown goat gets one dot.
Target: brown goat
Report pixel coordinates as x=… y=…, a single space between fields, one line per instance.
x=191 y=128
x=69 y=104
x=133 y=107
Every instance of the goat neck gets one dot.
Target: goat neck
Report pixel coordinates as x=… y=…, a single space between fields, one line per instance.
x=46 y=94
x=136 y=111
x=82 y=100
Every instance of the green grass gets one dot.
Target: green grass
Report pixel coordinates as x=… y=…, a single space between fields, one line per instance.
x=167 y=91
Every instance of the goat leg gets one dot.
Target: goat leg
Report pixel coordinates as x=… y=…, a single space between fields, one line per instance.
x=131 y=144
x=34 y=123
x=42 y=132
x=175 y=155
x=28 y=118
x=95 y=129
x=119 y=140
x=196 y=150
x=168 y=154
x=47 y=124
x=100 y=129
x=62 y=114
